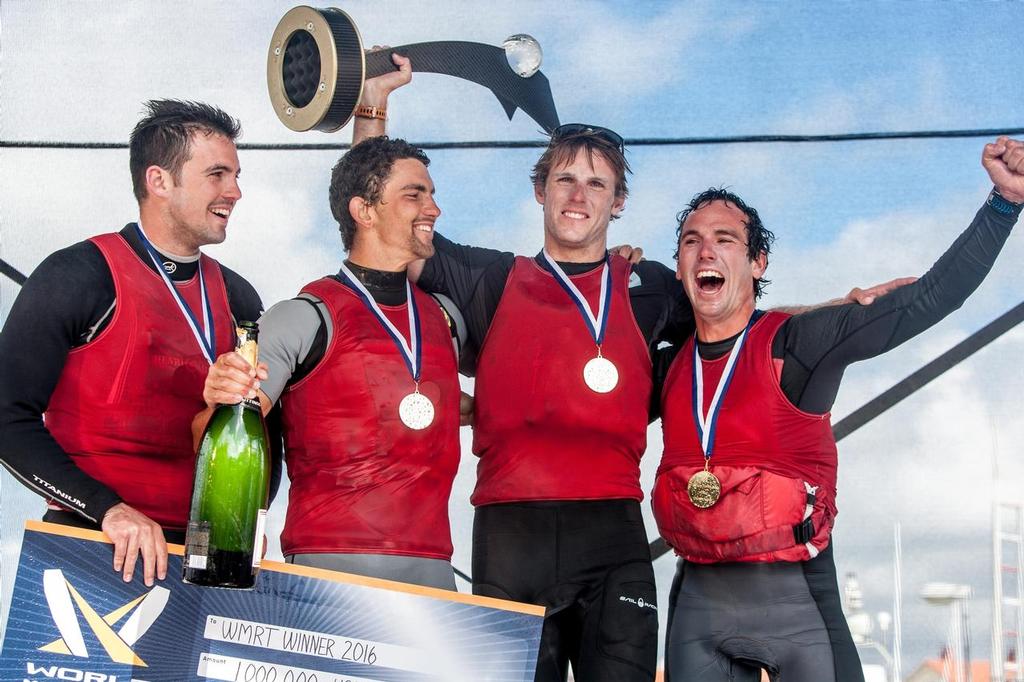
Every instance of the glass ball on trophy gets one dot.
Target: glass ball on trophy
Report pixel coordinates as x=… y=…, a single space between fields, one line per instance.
x=523 y=54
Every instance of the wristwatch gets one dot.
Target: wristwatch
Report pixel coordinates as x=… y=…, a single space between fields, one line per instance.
x=365 y=111
x=1001 y=204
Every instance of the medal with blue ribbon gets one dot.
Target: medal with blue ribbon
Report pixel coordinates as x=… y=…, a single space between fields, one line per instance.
x=600 y=374
x=204 y=334
x=415 y=410
x=704 y=488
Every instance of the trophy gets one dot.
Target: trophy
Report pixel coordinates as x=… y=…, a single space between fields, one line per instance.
x=316 y=67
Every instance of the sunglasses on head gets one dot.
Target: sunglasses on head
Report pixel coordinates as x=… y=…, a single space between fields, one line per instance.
x=582 y=129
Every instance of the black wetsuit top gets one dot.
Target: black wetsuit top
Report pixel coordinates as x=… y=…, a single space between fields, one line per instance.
x=576 y=556
x=475 y=279
x=69 y=300
x=816 y=347
x=386 y=288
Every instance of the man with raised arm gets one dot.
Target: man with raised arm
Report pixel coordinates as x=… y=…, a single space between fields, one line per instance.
x=110 y=340
x=364 y=366
x=561 y=345
x=746 y=488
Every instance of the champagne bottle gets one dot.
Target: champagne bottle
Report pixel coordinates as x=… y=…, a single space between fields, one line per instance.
x=224 y=540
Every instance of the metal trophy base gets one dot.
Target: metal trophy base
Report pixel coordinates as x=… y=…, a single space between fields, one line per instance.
x=316 y=67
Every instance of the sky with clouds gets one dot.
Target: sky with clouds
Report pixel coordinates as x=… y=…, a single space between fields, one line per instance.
x=845 y=213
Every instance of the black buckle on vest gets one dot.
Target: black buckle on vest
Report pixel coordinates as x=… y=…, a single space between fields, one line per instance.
x=803 y=532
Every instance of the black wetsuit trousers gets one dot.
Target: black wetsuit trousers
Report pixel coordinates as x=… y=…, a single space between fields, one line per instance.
x=589 y=563
x=728 y=622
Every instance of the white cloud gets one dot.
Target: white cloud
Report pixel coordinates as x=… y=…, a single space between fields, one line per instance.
x=634 y=57
x=869 y=103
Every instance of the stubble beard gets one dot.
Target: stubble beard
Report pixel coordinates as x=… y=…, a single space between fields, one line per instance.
x=198 y=233
x=422 y=250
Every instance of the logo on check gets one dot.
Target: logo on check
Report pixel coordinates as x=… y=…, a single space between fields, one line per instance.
x=66 y=603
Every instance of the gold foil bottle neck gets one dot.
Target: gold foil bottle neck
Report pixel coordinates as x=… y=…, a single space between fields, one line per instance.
x=247 y=346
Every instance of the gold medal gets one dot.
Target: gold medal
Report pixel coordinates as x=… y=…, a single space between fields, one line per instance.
x=704 y=489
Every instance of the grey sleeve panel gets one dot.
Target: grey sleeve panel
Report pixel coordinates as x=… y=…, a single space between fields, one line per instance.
x=287 y=332
x=456 y=323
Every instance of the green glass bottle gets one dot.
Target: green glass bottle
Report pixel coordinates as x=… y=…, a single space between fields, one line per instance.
x=224 y=540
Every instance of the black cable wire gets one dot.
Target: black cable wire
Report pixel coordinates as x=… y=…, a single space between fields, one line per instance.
x=12 y=273
x=933 y=370
x=528 y=144
x=843 y=428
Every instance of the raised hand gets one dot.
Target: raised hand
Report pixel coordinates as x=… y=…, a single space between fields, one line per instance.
x=375 y=94
x=377 y=89
x=1004 y=161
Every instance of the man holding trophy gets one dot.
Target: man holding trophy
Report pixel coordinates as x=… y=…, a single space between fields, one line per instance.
x=561 y=411
x=561 y=347
x=364 y=366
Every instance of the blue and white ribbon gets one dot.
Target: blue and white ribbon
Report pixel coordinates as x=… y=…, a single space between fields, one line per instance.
x=204 y=335
x=410 y=350
x=706 y=423
x=596 y=323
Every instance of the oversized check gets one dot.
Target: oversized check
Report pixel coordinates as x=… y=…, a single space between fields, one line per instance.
x=73 y=618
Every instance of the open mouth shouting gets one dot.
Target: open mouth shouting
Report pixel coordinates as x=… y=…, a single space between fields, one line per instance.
x=709 y=281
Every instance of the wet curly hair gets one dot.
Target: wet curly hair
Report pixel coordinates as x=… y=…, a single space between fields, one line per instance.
x=759 y=237
x=363 y=172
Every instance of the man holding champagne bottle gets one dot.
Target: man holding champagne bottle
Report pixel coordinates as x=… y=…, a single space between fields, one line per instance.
x=110 y=338
x=364 y=366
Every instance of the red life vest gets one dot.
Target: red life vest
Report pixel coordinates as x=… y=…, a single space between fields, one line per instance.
x=776 y=463
x=124 y=404
x=362 y=481
x=540 y=432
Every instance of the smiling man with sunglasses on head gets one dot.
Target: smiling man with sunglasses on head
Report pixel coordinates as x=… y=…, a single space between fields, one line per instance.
x=562 y=392
x=563 y=385
x=561 y=347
